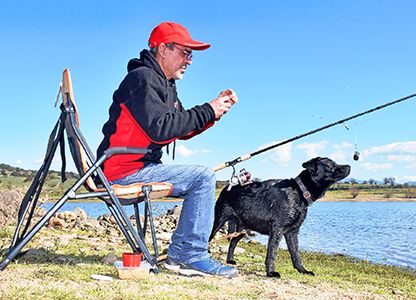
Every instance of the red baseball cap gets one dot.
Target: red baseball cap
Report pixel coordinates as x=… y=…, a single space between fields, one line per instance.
x=171 y=32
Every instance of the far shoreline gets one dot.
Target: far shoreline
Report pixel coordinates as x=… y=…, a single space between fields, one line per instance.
x=319 y=200
x=368 y=200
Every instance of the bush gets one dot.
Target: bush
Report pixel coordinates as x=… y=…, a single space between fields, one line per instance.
x=388 y=194
x=354 y=192
x=410 y=193
x=9 y=206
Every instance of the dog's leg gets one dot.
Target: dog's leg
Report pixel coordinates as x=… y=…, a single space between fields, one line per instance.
x=293 y=246
x=238 y=227
x=272 y=246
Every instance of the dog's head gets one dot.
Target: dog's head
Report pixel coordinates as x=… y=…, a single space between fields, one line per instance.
x=325 y=171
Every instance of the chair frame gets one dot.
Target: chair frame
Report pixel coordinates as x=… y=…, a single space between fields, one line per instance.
x=67 y=122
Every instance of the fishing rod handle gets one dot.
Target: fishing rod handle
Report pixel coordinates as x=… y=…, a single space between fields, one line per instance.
x=230 y=163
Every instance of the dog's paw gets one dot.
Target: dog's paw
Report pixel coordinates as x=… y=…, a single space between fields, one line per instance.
x=273 y=274
x=231 y=262
x=306 y=272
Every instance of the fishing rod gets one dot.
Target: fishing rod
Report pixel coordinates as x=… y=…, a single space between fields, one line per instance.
x=248 y=156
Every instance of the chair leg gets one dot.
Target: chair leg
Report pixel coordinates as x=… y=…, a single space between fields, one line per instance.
x=118 y=209
x=25 y=239
x=146 y=191
x=138 y=222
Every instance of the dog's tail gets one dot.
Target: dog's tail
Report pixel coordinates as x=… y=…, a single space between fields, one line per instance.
x=222 y=213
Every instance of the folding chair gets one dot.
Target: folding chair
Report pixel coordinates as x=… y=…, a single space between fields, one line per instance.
x=94 y=180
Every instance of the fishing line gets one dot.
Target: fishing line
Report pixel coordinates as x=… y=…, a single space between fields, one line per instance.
x=248 y=156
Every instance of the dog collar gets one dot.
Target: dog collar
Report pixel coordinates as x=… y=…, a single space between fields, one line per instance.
x=306 y=194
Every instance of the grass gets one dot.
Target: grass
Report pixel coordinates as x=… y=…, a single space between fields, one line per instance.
x=63 y=271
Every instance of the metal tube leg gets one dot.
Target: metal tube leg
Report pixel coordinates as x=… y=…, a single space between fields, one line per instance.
x=138 y=222
x=146 y=191
x=32 y=232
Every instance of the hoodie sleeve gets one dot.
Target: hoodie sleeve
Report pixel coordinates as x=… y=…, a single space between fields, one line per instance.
x=147 y=102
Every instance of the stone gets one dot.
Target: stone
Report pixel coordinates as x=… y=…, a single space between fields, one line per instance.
x=164 y=236
x=109 y=259
x=56 y=222
x=81 y=214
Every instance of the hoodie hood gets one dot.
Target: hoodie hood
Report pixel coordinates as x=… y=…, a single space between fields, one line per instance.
x=146 y=60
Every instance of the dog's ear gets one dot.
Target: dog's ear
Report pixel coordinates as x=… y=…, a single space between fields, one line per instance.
x=310 y=165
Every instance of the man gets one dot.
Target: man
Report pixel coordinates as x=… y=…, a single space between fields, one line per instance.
x=147 y=113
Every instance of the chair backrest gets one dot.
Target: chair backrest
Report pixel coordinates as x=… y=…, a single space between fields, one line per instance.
x=80 y=151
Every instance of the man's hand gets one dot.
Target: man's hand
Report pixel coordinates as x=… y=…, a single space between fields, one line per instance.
x=223 y=103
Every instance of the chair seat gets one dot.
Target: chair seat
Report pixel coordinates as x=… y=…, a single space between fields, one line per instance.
x=134 y=190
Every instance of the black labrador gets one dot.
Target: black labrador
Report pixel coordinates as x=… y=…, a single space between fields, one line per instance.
x=276 y=208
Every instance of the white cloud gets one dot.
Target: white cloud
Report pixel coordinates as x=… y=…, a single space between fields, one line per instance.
x=181 y=150
x=184 y=152
x=405 y=178
x=402 y=158
x=38 y=161
x=339 y=157
x=313 y=149
x=343 y=145
x=393 y=148
x=280 y=155
x=18 y=162
x=376 y=167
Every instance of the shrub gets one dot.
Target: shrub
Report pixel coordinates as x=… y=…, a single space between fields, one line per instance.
x=410 y=193
x=388 y=194
x=354 y=192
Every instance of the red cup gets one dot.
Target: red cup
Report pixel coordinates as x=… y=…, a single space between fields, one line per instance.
x=131 y=259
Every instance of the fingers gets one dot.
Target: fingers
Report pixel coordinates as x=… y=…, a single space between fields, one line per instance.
x=223 y=103
x=231 y=94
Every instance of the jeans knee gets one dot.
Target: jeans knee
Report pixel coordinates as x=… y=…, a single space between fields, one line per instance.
x=207 y=174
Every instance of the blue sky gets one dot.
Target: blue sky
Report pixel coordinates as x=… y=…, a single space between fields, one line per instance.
x=295 y=65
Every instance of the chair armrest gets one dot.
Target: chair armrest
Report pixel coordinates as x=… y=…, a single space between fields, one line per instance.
x=125 y=150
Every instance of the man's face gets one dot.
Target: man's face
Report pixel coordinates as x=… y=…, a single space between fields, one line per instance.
x=175 y=60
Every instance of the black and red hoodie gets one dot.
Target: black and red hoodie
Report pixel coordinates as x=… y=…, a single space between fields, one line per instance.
x=147 y=113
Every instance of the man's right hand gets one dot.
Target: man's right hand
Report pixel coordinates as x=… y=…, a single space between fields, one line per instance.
x=223 y=103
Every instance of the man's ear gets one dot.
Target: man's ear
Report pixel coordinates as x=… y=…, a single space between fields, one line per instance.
x=161 y=49
x=310 y=165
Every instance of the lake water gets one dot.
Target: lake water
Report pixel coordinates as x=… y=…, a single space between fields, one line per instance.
x=380 y=232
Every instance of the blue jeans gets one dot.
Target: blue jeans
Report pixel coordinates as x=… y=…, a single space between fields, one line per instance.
x=196 y=185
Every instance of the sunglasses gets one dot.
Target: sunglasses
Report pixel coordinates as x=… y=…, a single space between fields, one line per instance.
x=187 y=54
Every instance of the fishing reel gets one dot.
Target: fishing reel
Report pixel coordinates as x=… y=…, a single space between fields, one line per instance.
x=242 y=178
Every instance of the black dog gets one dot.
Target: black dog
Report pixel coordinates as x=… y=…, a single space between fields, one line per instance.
x=276 y=208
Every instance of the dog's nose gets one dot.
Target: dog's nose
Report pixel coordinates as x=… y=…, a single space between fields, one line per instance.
x=347 y=169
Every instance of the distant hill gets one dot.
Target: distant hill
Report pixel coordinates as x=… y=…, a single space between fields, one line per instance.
x=7 y=170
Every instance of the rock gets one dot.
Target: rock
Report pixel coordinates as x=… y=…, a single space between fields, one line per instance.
x=396 y=292
x=67 y=216
x=109 y=259
x=239 y=250
x=81 y=214
x=214 y=249
x=176 y=211
x=87 y=225
x=164 y=236
x=113 y=220
x=56 y=222
x=112 y=239
x=223 y=249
